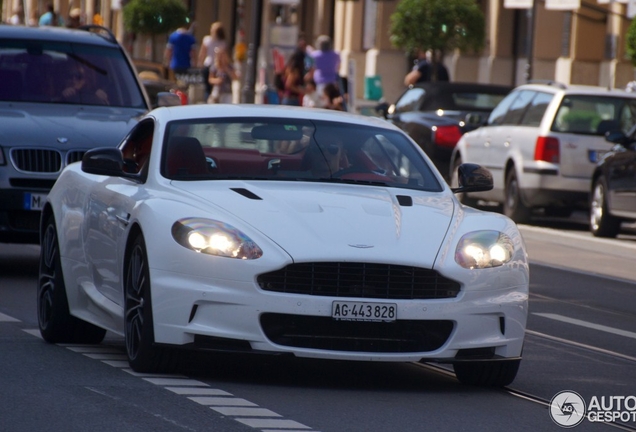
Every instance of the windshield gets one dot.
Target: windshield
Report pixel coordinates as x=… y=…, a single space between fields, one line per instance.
x=293 y=150
x=594 y=115
x=55 y=72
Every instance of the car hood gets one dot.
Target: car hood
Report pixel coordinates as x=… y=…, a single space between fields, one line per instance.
x=75 y=126
x=343 y=222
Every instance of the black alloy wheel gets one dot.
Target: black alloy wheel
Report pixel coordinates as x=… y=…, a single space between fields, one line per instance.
x=497 y=373
x=602 y=223
x=513 y=206
x=56 y=323
x=143 y=354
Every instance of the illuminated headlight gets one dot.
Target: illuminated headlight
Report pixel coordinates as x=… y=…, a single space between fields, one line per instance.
x=214 y=238
x=483 y=249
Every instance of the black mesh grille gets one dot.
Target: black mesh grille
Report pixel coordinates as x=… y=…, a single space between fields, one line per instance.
x=37 y=160
x=359 y=280
x=325 y=333
x=74 y=156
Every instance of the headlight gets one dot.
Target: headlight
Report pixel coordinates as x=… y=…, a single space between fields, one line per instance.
x=483 y=249
x=214 y=238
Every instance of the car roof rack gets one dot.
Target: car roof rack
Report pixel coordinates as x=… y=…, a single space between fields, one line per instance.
x=549 y=82
x=101 y=31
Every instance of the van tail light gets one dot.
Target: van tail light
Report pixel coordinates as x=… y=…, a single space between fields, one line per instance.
x=446 y=136
x=547 y=149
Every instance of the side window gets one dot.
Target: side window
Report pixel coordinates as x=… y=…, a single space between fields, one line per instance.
x=518 y=107
x=534 y=113
x=499 y=113
x=410 y=101
x=137 y=146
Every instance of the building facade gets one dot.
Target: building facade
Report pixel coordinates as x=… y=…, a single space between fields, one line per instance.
x=581 y=46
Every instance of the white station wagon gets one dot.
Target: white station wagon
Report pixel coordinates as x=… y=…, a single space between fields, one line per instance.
x=542 y=143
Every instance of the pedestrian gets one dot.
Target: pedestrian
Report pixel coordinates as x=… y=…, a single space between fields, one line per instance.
x=326 y=63
x=293 y=80
x=74 y=18
x=222 y=74
x=332 y=97
x=423 y=70
x=216 y=39
x=18 y=16
x=50 y=17
x=311 y=98
x=180 y=50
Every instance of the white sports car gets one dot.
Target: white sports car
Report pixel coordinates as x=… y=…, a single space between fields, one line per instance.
x=280 y=230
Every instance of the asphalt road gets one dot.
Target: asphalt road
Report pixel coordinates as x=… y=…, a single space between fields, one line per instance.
x=580 y=337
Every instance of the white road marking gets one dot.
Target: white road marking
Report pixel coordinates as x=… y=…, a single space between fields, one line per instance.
x=7 y=318
x=222 y=401
x=586 y=324
x=117 y=363
x=156 y=375
x=269 y=423
x=94 y=349
x=198 y=391
x=120 y=357
x=33 y=332
x=245 y=412
x=176 y=382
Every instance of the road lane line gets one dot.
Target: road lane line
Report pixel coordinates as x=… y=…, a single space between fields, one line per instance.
x=586 y=324
x=7 y=318
x=581 y=345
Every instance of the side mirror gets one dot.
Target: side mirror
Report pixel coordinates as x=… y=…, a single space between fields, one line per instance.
x=473 y=178
x=383 y=108
x=616 y=137
x=104 y=161
x=475 y=120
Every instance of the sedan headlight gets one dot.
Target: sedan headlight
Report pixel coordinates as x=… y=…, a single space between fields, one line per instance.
x=214 y=238
x=483 y=249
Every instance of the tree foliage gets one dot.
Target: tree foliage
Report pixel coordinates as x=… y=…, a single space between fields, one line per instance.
x=154 y=17
x=631 y=42
x=438 y=25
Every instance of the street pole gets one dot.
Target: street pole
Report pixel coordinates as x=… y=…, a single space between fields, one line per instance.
x=248 y=94
x=531 y=13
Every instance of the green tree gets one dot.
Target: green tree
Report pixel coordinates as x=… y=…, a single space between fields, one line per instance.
x=439 y=26
x=631 y=42
x=154 y=17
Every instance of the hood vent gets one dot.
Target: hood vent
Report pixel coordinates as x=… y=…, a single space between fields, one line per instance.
x=405 y=200
x=246 y=193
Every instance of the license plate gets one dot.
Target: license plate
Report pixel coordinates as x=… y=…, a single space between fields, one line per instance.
x=34 y=201
x=595 y=155
x=363 y=311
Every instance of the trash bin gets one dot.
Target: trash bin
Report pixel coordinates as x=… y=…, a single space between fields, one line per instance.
x=373 y=87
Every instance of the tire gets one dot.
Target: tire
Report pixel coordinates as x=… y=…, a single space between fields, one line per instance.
x=487 y=373
x=513 y=206
x=143 y=354
x=602 y=223
x=454 y=182
x=54 y=319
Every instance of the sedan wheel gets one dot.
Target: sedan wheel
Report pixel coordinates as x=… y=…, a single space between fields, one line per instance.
x=54 y=319
x=143 y=355
x=602 y=223
x=513 y=206
x=498 y=373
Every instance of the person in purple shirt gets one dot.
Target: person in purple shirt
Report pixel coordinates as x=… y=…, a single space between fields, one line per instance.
x=180 y=50
x=326 y=63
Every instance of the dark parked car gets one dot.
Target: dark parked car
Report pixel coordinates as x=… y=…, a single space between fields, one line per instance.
x=436 y=114
x=613 y=193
